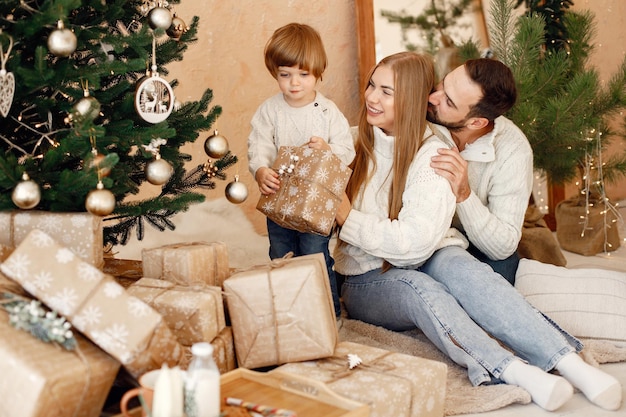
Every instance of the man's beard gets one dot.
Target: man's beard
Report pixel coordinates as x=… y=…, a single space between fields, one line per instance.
x=431 y=116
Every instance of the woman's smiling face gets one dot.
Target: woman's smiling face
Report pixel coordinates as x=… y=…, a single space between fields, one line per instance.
x=379 y=99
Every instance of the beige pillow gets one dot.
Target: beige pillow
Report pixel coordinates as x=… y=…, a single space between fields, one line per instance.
x=587 y=302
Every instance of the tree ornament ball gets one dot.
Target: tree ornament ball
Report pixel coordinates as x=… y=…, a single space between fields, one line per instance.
x=236 y=192
x=87 y=108
x=159 y=171
x=100 y=202
x=95 y=164
x=216 y=145
x=62 y=42
x=160 y=18
x=26 y=194
x=178 y=27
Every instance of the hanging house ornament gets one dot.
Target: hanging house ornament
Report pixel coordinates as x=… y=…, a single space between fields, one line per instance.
x=154 y=97
x=7 y=80
x=62 y=42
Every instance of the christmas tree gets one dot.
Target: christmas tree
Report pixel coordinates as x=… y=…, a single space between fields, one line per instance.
x=87 y=115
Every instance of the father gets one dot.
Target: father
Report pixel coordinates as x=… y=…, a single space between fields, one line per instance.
x=490 y=165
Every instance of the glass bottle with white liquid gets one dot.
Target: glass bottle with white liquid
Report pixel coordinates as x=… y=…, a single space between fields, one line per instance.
x=202 y=384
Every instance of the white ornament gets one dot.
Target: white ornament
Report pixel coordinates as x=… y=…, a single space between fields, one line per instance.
x=62 y=42
x=7 y=81
x=154 y=99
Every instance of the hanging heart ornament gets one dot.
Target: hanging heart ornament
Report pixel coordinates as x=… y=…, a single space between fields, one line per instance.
x=7 y=89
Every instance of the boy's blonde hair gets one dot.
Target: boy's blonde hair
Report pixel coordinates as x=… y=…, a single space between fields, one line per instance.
x=296 y=44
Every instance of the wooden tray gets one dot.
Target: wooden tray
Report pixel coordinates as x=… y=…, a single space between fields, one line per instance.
x=308 y=398
x=277 y=389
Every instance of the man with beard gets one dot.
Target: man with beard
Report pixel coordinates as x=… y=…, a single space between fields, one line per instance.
x=490 y=163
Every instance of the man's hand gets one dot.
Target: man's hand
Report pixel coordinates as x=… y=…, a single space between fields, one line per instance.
x=451 y=165
x=268 y=180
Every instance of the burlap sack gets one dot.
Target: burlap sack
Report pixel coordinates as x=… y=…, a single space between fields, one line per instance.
x=600 y=233
x=538 y=241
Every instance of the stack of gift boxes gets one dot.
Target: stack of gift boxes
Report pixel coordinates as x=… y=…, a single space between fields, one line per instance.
x=141 y=315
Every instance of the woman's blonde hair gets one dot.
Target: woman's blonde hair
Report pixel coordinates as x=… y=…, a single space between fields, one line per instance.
x=296 y=44
x=414 y=80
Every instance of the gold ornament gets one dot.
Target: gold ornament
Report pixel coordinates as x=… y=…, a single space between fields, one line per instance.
x=62 y=42
x=160 y=18
x=87 y=108
x=95 y=162
x=216 y=145
x=178 y=27
x=100 y=202
x=210 y=168
x=159 y=171
x=236 y=192
x=26 y=194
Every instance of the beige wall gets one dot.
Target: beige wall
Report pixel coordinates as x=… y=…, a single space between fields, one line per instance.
x=228 y=58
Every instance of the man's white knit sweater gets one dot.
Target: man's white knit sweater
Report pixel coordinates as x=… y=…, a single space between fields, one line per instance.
x=276 y=124
x=422 y=227
x=500 y=171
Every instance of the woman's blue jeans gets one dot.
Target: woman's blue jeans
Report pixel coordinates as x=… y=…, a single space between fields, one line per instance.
x=283 y=241
x=464 y=308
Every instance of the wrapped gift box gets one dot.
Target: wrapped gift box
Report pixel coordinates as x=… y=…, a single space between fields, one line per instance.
x=282 y=312
x=194 y=313
x=42 y=380
x=122 y=325
x=188 y=263
x=311 y=189
x=393 y=384
x=79 y=232
x=223 y=352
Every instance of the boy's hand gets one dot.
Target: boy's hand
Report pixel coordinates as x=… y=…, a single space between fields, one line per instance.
x=318 y=143
x=268 y=180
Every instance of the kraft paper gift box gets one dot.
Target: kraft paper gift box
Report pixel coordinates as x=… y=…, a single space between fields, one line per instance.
x=282 y=312
x=122 y=325
x=193 y=313
x=188 y=263
x=393 y=384
x=312 y=183
x=79 y=232
x=223 y=352
x=43 y=380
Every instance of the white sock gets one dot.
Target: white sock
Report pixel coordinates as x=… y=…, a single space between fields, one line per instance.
x=546 y=390
x=599 y=387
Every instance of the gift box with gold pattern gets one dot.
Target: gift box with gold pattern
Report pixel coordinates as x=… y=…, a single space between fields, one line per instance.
x=393 y=384
x=187 y=263
x=122 y=325
x=282 y=312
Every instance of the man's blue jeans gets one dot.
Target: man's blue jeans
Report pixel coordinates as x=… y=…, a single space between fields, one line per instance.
x=284 y=240
x=464 y=308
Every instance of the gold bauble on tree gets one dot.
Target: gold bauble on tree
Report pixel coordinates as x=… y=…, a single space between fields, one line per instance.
x=100 y=202
x=26 y=194
x=178 y=27
x=159 y=171
x=62 y=42
x=236 y=192
x=216 y=145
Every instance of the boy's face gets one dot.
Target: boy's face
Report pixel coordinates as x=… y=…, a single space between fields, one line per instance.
x=297 y=85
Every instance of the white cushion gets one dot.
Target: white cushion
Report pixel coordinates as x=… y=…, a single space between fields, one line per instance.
x=586 y=302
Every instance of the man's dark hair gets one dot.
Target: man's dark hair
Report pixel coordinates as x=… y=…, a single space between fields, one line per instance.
x=498 y=86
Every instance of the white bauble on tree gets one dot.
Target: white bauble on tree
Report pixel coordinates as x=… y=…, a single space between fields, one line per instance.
x=26 y=194
x=159 y=171
x=236 y=192
x=160 y=18
x=100 y=202
x=62 y=42
x=216 y=145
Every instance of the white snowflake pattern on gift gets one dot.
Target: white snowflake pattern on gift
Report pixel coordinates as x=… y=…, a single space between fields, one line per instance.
x=325 y=223
x=112 y=289
x=304 y=170
x=307 y=214
x=17 y=265
x=79 y=221
x=330 y=204
x=337 y=186
x=89 y=273
x=307 y=151
x=288 y=209
x=138 y=308
x=322 y=175
x=5 y=222
x=327 y=155
x=89 y=316
x=187 y=302
x=292 y=191
x=64 y=256
x=113 y=339
x=42 y=280
x=22 y=219
x=313 y=194
x=51 y=224
x=82 y=251
x=64 y=301
x=268 y=206
x=40 y=239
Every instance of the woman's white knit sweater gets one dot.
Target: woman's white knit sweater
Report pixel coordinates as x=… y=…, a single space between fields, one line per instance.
x=423 y=224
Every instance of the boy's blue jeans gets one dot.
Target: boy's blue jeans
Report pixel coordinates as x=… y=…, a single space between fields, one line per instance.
x=284 y=240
